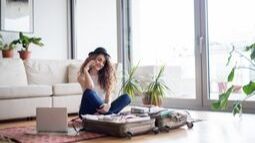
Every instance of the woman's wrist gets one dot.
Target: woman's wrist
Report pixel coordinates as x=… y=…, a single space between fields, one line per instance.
x=107 y=101
x=86 y=68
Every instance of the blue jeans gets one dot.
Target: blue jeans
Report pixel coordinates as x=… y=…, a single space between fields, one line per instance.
x=91 y=101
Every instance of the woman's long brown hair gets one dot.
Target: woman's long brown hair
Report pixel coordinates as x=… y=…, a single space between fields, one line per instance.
x=106 y=76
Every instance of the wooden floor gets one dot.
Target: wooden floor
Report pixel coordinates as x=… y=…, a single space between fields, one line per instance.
x=215 y=128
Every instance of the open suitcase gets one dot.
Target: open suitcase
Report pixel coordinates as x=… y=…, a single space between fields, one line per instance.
x=166 y=120
x=119 y=125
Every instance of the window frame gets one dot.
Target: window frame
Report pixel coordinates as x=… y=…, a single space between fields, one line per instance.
x=124 y=50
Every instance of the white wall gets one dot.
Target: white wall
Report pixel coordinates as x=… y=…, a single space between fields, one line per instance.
x=50 y=23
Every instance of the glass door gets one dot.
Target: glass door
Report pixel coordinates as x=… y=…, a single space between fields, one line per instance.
x=230 y=25
x=163 y=33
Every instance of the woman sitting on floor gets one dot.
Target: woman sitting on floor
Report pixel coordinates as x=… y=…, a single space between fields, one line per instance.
x=97 y=79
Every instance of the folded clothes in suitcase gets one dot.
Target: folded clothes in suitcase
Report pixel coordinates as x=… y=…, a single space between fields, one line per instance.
x=119 y=125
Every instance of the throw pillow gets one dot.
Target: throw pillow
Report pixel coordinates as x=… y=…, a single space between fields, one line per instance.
x=73 y=70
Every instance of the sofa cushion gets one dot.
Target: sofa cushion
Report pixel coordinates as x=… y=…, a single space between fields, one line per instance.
x=73 y=69
x=10 y=92
x=72 y=102
x=66 y=89
x=46 y=71
x=12 y=72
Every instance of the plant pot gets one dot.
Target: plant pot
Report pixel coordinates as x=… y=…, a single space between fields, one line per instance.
x=24 y=55
x=8 y=53
x=147 y=100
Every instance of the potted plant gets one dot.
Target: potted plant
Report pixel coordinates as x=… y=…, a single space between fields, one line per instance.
x=155 y=90
x=7 y=49
x=131 y=85
x=248 y=89
x=25 y=41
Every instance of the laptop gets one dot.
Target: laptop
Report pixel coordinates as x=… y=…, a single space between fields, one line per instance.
x=52 y=120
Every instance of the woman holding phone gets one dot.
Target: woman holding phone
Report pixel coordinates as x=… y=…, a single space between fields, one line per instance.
x=97 y=79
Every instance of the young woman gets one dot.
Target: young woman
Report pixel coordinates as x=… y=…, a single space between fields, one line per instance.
x=97 y=79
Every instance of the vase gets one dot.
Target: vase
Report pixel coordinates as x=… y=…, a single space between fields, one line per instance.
x=24 y=55
x=147 y=100
x=8 y=53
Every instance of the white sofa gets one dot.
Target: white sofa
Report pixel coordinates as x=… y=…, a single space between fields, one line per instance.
x=26 y=85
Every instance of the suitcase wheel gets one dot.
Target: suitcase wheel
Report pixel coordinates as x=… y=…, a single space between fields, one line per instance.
x=166 y=128
x=129 y=135
x=190 y=125
x=155 y=130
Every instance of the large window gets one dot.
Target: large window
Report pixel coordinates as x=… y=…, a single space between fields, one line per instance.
x=192 y=38
x=230 y=23
x=163 y=34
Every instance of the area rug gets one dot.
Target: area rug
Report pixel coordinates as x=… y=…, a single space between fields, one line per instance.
x=21 y=135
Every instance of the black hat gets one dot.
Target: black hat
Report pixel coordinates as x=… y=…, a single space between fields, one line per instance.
x=99 y=50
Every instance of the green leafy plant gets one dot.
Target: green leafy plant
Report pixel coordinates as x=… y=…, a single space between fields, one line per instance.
x=131 y=86
x=1 y=42
x=26 y=41
x=156 y=89
x=7 y=49
x=247 y=88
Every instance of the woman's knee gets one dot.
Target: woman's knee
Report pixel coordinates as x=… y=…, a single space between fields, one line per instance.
x=92 y=97
x=88 y=93
x=126 y=97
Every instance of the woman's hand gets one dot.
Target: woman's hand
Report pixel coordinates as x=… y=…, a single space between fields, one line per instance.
x=89 y=65
x=104 y=109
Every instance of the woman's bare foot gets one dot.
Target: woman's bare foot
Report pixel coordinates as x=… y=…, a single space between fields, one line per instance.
x=96 y=113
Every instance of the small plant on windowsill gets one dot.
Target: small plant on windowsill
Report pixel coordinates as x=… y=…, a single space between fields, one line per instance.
x=156 y=90
x=131 y=85
x=247 y=88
